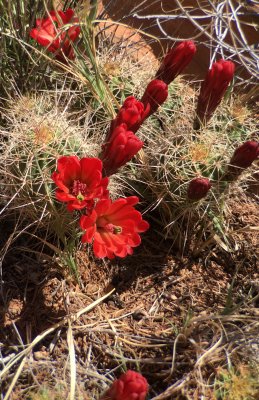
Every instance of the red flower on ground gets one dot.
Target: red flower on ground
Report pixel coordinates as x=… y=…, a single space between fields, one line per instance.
x=114 y=227
x=245 y=154
x=132 y=113
x=175 y=61
x=79 y=182
x=155 y=95
x=50 y=33
x=123 y=145
x=129 y=386
x=198 y=188
x=213 y=89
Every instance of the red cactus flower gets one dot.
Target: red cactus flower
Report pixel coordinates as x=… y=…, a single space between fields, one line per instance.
x=198 y=188
x=129 y=386
x=122 y=146
x=245 y=154
x=175 y=61
x=113 y=227
x=79 y=182
x=132 y=113
x=155 y=95
x=50 y=33
x=213 y=89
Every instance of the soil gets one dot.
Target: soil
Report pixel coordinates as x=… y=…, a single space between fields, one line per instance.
x=162 y=303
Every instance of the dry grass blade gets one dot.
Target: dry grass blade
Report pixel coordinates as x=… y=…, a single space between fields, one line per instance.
x=39 y=338
x=176 y=387
x=15 y=378
x=72 y=361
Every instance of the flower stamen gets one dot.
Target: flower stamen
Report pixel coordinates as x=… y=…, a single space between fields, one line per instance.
x=116 y=230
x=79 y=190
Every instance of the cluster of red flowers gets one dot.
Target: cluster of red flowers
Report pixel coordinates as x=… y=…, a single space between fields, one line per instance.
x=114 y=227
x=51 y=33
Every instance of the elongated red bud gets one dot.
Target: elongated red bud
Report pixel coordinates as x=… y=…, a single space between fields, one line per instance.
x=175 y=61
x=132 y=113
x=212 y=90
x=122 y=146
x=245 y=154
x=155 y=95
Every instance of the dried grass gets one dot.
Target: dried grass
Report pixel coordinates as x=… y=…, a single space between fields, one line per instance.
x=180 y=341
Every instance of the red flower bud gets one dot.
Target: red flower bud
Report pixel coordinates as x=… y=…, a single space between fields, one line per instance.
x=213 y=89
x=122 y=146
x=176 y=60
x=198 y=188
x=130 y=386
x=245 y=154
x=155 y=94
x=132 y=113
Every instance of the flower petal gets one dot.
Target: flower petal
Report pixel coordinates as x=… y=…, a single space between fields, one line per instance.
x=99 y=249
x=91 y=171
x=63 y=196
x=89 y=234
x=69 y=168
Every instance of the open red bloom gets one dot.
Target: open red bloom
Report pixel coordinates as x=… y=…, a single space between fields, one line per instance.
x=198 y=188
x=155 y=95
x=79 y=182
x=114 y=227
x=132 y=113
x=129 y=386
x=121 y=147
x=245 y=154
x=50 y=33
x=213 y=89
x=175 y=61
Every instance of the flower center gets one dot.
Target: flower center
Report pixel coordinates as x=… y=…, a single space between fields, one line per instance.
x=116 y=230
x=79 y=190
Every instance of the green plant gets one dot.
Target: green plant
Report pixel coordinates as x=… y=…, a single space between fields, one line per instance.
x=16 y=61
x=173 y=155
x=236 y=383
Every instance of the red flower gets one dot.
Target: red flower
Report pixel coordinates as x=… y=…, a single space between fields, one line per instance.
x=245 y=154
x=198 y=188
x=155 y=95
x=113 y=227
x=129 y=386
x=213 y=89
x=50 y=33
x=79 y=182
x=122 y=146
x=132 y=113
x=176 y=60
